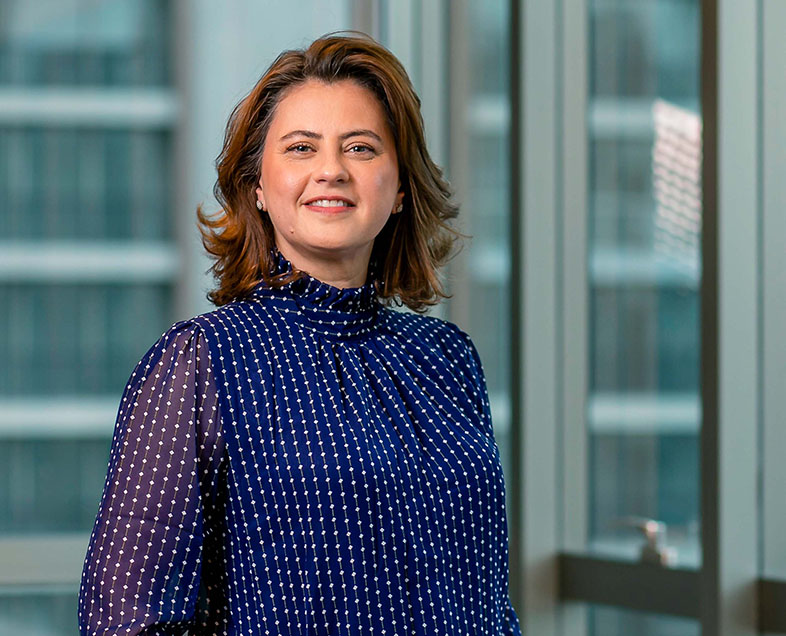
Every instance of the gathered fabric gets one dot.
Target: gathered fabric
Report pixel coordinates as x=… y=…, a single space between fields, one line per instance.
x=303 y=461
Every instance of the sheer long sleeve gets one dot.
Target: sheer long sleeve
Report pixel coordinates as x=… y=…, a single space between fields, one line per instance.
x=512 y=625
x=477 y=380
x=143 y=567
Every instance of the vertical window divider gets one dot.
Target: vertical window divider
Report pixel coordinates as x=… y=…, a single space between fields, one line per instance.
x=730 y=321
x=536 y=312
x=515 y=160
x=773 y=295
x=574 y=332
x=458 y=151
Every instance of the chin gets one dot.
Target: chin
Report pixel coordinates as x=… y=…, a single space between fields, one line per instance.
x=332 y=248
x=337 y=243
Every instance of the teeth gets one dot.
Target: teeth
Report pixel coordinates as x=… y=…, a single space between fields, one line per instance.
x=326 y=203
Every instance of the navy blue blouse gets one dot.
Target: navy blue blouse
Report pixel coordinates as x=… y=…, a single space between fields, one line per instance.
x=304 y=461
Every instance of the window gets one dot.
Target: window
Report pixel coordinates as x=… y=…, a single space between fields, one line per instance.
x=644 y=231
x=649 y=157
x=88 y=266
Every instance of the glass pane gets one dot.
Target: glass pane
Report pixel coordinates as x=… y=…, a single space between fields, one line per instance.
x=68 y=339
x=84 y=42
x=51 y=485
x=610 y=621
x=644 y=230
x=38 y=613
x=65 y=183
x=76 y=339
x=484 y=174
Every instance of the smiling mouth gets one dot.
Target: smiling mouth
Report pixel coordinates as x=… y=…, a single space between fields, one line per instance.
x=329 y=204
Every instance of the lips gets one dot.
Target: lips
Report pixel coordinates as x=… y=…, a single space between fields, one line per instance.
x=330 y=202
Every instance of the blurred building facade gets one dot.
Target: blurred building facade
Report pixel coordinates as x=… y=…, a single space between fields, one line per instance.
x=111 y=115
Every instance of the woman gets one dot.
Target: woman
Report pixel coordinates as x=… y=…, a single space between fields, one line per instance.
x=304 y=459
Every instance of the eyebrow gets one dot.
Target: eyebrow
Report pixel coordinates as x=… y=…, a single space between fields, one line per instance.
x=360 y=132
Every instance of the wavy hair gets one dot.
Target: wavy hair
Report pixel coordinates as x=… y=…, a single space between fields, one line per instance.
x=412 y=245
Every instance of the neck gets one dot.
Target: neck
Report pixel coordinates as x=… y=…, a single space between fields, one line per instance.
x=341 y=271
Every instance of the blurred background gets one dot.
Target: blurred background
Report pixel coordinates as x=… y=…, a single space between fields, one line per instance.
x=572 y=133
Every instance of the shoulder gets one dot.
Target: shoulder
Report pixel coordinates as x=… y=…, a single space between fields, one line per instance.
x=178 y=355
x=434 y=332
x=180 y=338
x=444 y=343
x=239 y=327
x=195 y=332
x=235 y=317
x=184 y=339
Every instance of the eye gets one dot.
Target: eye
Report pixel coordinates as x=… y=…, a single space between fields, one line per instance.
x=299 y=148
x=360 y=149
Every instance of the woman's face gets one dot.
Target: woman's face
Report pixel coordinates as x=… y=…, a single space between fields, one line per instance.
x=329 y=176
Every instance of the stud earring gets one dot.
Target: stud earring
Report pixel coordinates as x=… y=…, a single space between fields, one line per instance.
x=399 y=208
x=260 y=207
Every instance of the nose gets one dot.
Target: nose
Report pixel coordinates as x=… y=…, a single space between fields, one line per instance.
x=331 y=168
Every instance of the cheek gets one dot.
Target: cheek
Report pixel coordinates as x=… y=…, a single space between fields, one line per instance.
x=283 y=224
x=282 y=181
x=290 y=182
x=385 y=183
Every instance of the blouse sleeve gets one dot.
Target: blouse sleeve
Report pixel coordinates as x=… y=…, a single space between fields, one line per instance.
x=512 y=625
x=475 y=379
x=143 y=565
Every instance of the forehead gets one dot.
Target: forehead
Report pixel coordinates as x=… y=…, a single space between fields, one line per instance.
x=342 y=105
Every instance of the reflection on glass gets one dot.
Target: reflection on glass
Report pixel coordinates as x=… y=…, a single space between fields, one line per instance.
x=84 y=184
x=76 y=313
x=50 y=485
x=84 y=42
x=609 y=621
x=645 y=227
x=42 y=612
x=66 y=340
x=486 y=211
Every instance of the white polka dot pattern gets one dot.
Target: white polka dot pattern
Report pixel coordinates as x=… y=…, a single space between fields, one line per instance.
x=303 y=461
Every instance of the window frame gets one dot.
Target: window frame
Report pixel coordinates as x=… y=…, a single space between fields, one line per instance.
x=743 y=310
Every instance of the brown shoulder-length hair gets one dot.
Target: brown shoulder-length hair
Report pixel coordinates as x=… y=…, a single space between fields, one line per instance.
x=411 y=246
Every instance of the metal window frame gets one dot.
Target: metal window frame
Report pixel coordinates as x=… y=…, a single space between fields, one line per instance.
x=549 y=306
x=673 y=591
x=772 y=592
x=773 y=298
x=535 y=298
x=730 y=318
x=743 y=310
x=772 y=601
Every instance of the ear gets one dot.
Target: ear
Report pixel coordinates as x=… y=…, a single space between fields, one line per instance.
x=399 y=199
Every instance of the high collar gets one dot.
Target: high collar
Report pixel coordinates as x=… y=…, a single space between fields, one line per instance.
x=328 y=310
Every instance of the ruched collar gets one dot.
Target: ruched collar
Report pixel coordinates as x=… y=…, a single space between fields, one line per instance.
x=328 y=310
